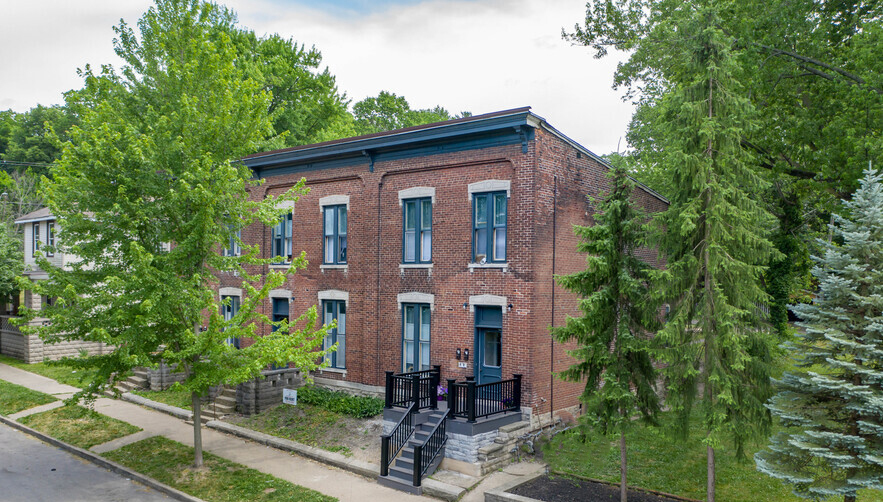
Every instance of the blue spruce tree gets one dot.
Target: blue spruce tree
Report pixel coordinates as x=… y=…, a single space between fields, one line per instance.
x=834 y=402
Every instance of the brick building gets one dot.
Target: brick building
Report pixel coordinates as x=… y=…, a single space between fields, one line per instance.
x=437 y=245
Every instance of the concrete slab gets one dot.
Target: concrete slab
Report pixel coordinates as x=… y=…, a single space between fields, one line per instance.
x=37 y=409
x=34 y=381
x=120 y=442
x=509 y=474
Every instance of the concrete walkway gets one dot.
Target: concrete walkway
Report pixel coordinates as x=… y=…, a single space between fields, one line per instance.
x=320 y=477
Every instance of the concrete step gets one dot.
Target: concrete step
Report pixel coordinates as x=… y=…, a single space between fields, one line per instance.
x=400 y=484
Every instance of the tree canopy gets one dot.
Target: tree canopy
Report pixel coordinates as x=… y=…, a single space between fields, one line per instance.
x=147 y=191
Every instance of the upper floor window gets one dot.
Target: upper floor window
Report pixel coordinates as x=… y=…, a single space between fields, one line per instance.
x=282 y=238
x=417 y=239
x=233 y=248
x=36 y=229
x=50 y=237
x=280 y=311
x=489 y=227
x=335 y=234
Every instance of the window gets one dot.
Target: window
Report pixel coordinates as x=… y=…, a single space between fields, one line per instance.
x=280 y=310
x=489 y=227
x=335 y=235
x=233 y=248
x=50 y=237
x=36 y=228
x=229 y=310
x=417 y=238
x=415 y=337
x=335 y=310
x=282 y=238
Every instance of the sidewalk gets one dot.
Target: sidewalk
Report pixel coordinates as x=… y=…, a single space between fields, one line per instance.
x=322 y=478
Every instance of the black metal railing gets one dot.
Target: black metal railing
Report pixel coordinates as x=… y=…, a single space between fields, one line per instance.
x=426 y=452
x=471 y=401
x=415 y=387
x=391 y=444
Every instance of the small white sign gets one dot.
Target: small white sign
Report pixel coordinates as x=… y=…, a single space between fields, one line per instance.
x=462 y=365
x=289 y=396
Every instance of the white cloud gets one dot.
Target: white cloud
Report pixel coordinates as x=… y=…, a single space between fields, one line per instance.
x=475 y=55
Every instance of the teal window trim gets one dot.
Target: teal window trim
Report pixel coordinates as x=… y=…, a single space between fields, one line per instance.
x=282 y=238
x=416 y=343
x=489 y=227
x=417 y=230
x=35 y=230
x=233 y=247
x=334 y=234
x=280 y=313
x=228 y=311
x=335 y=310
x=50 y=237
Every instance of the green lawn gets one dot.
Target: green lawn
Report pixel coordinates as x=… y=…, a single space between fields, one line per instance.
x=79 y=426
x=15 y=398
x=171 y=463
x=657 y=462
x=305 y=423
x=179 y=398
x=61 y=374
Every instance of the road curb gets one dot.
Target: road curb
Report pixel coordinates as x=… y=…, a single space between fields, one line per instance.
x=102 y=462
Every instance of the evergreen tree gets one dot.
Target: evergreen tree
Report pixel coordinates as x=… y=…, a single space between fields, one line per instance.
x=835 y=398
x=713 y=237
x=147 y=193
x=613 y=333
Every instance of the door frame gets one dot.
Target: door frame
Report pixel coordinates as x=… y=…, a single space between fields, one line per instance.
x=486 y=318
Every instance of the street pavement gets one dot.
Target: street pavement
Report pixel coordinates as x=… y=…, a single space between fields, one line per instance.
x=33 y=471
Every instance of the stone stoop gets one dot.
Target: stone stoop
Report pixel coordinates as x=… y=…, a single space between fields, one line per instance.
x=222 y=405
x=138 y=381
x=502 y=450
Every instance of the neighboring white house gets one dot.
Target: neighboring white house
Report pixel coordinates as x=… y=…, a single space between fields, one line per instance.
x=40 y=234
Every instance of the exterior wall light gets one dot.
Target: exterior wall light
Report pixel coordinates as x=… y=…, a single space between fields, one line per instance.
x=458 y=353
x=465 y=354
x=509 y=308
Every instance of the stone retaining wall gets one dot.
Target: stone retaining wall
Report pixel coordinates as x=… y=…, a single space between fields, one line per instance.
x=163 y=376
x=265 y=392
x=31 y=349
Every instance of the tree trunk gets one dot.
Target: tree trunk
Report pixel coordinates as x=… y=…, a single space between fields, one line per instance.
x=711 y=473
x=197 y=429
x=623 y=467
x=849 y=498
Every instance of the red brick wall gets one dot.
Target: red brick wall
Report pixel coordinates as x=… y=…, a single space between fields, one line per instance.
x=374 y=320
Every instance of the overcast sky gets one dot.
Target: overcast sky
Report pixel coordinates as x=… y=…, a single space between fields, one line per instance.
x=473 y=55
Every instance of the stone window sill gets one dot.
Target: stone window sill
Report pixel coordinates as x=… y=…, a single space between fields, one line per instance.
x=415 y=266
x=340 y=371
x=504 y=266
x=344 y=267
x=279 y=266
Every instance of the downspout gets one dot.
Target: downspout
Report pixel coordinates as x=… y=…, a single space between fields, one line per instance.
x=552 y=339
x=377 y=292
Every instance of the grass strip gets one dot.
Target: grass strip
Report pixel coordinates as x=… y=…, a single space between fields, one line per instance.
x=306 y=424
x=15 y=398
x=79 y=426
x=659 y=462
x=178 y=398
x=56 y=371
x=220 y=480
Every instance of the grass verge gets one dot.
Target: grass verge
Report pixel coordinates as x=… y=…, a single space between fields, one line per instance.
x=15 y=398
x=658 y=462
x=220 y=480
x=79 y=426
x=307 y=424
x=57 y=372
x=179 y=398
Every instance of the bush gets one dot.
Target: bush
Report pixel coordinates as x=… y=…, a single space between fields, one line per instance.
x=341 y=402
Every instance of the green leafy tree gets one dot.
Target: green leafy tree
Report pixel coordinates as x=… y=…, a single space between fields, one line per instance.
x=145 y=193
x=714 y=242
x=834 y=401
x=29 y=140
x=387 y=112
x=613 y=334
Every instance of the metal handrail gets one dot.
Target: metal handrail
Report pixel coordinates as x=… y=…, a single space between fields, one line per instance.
x=472 y=401
x=425 y=452
x=396 y=439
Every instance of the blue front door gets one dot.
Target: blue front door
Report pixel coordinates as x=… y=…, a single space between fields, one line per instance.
x=490 y=355
x=488 y=344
